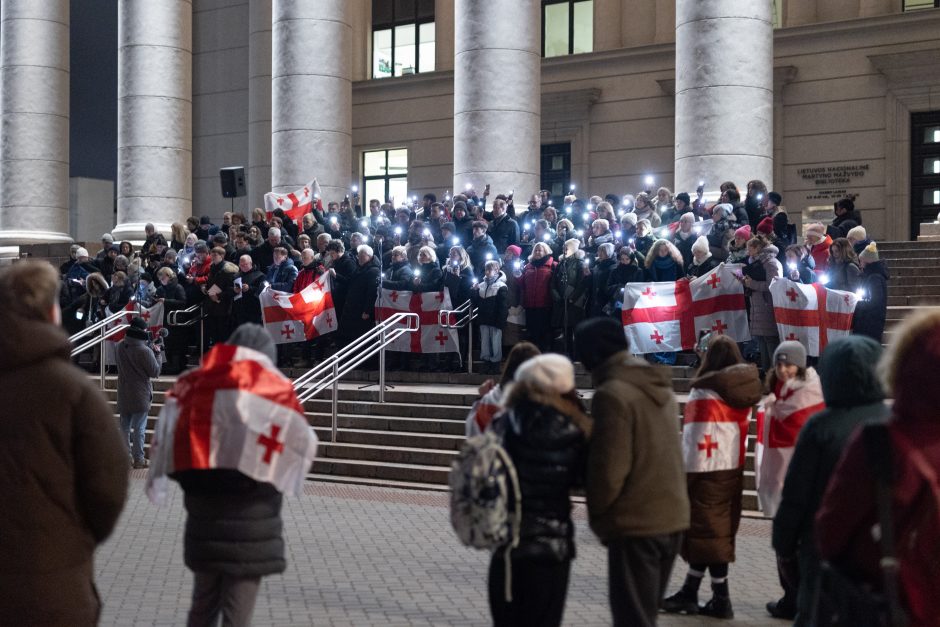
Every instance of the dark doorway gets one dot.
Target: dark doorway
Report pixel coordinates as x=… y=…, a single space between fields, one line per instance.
x=925 y=169
x=556 y=171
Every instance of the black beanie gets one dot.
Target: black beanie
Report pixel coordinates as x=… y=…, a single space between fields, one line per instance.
x=138 y=329
x=775 y=198
x=598 y=339
x=684 y=198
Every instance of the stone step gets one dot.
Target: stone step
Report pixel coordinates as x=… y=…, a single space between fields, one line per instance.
x=913 y=301
x=414 y=473
x=383 y=455
x=925 y=278
x=920 y=289
x=908 y=245
x=906 y=265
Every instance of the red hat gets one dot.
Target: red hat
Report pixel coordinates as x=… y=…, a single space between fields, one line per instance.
x=515 y=250
x=766 y=226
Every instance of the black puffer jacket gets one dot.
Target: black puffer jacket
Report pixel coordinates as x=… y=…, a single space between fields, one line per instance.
x=872 y=311
x=399 y=276
x=546 y=437
x=233 y=525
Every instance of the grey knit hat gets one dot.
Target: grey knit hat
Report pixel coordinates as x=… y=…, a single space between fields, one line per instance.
x=255 y=337
x=790 y=352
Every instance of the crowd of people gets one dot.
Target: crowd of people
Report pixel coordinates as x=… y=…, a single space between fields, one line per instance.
x=533 y=273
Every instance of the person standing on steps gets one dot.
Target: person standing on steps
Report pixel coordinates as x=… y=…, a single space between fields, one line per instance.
x=137 y=364
x=637 y=498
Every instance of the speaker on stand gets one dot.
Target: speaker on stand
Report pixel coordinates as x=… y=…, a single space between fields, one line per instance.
x=233 y=183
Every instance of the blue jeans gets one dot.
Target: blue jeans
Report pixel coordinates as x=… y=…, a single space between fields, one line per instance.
x=136 y=422
x=491 y=343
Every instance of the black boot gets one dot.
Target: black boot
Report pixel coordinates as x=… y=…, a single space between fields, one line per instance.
x=717 y=607
x=685 y=601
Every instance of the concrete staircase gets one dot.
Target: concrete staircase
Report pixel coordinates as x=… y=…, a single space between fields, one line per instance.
x=410 y=440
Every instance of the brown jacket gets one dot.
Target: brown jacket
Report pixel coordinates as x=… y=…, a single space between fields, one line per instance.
x=635 y=479
x=715 y=497
x=63 y=478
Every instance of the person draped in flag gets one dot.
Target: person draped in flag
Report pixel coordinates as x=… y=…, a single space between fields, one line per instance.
x=795 y=394
x=714 y=439
x=234 y=436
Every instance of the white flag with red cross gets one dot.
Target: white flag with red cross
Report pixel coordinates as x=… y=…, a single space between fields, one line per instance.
x=295 y=204
x=153 y=316
x=299 y=317
x=714 y=434
x=812 y=315
x=668 y=317
x=235 y=412
x=430 y=337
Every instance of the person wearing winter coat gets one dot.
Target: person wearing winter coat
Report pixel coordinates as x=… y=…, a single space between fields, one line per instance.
x=854 y=396
x=844 y=273
x=535 y=292
x=491 y=392
x=282 y=273
x=737 y=248
x=685 y=237
x=757 y=276
x=848 y=512
x=629 y=269
x=459 y=281
x=725 y=389
x=817 y=245
x=428 y=276
x=722 y=231
x=173 y=296
x=359 y=311
x=872 y=310
x=794 y=394
x=644 y=239
x=799 y=265
x=703 y=261
x=644 y=210
x=637 y=498
x=481 y=248
x=219 y=294
x=248 y=307
x=571 y=288
x=137 y=365
x=606 y=262
x=309 y=271
x=503 y=230
x=546 y=431
x=61 y=456
x=399 y=275
x=490 y=297
x=664 y=262
x=120 y=292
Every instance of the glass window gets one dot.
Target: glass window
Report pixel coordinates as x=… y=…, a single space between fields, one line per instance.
x=403 y=37
x=567 y=27
x=385 y=174
x=917 y=5
x=931 y=166
x=932 y=196
x=932 y=135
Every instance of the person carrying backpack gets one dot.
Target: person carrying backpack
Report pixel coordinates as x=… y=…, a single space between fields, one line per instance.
x=545 y=432
x=908 y=465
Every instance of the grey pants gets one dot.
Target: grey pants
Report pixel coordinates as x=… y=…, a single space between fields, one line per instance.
x=214 y=593
x=638 y=570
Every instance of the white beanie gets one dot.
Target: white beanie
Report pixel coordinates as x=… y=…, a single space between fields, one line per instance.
x=726 y=207
x=572 y=246
x=816 y=231
x=629 y=217
x=81 y=252
x=857 y=234
x=550 y=372
x=700 y=246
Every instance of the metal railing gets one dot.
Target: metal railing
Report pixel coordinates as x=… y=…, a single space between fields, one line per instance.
x=171 y=321
x=104 y=332
x=341 y=363
x=462 y=317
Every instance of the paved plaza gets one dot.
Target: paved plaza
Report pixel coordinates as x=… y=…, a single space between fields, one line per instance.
x=371 y=556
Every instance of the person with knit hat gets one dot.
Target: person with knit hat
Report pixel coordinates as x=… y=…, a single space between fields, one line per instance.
x=571 y=289
x=545 y=432
x=871 y=311
x=858 y=236
x=848 y=510
x=685 y=236
x=137 y=364
x=817 y=245
x=722 y=230
x=637 y=498
x=766 y=227
x=737 y=248
x=628 y=228
x=703 y=261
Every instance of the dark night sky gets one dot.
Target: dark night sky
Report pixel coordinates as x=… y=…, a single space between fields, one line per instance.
x=94 y=65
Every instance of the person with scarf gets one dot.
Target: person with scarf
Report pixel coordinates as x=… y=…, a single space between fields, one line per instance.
x=629 y=269
x=703 y=261
x=685 y=236
x=664 y=264
x=571 y=287
x=535 y=295
x=491 y=300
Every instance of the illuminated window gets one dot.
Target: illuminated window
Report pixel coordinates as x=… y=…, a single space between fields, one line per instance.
x=925 y=168
x=385 y=175
x=917 y=5
x=567 y=27
x=402 y=37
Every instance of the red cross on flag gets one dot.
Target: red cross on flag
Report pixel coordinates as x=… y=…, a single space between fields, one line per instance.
x=296 y=204
x=153 y=316
x=430 y=336
x=811 y=314
x=714 y=434
x=668 y=317
x=299 y=317
x=235 y=412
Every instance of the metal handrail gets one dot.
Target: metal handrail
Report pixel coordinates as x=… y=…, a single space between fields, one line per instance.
x=101 y=323
x=443 y=319
x=94 y=342
x=171 y=321
x=344 y=361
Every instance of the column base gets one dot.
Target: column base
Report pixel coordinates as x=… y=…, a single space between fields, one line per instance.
x=134 y=231
x=16 y=238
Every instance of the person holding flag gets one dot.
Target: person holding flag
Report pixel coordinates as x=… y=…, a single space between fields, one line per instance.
x=234 y=436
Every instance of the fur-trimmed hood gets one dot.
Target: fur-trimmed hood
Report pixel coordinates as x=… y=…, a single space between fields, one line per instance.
x=519 y=393
x=96 y=285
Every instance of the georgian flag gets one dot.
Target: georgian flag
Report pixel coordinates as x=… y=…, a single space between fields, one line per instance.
x=714 y=434
x=153 y=316
x=299 y=317
x=668 y=317
x=430 y=337
x=811 y=314
x=235 y=412
x=295 y=204
x=779 y=421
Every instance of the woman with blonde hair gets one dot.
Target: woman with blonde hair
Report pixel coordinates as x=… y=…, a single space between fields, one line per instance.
x=178 y=235
x=664 y=261
x=644 y=209
x=535 y=295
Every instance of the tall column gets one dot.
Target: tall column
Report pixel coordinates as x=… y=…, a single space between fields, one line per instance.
x=155 y=110
x=34 y=134
x=312 y=96
x=497 y=102
x=724 y=92
x=259 y=101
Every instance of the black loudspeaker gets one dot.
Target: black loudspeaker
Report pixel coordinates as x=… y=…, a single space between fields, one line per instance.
x=233 y=182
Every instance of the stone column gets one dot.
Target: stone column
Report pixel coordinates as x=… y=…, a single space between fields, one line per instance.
x=497 y=102
x=312 y=96
x=259 y=101
x=724 y=92
x=155 y=110
x=34 y=135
